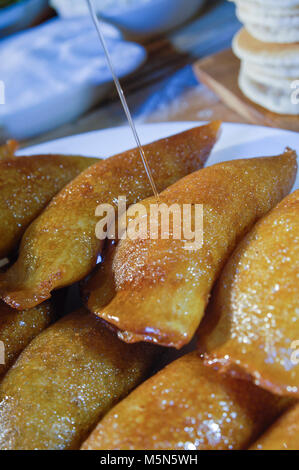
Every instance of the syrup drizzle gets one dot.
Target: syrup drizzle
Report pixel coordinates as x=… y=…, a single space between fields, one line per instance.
x=122 y=96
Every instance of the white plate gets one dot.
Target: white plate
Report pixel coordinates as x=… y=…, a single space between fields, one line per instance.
x=236 y=141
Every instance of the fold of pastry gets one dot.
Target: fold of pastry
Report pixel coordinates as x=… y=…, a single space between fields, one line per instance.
x=65 y=381
x=156 y=290
x=61 y=247
x=187 y=406
x=252 y=324
x=27 y=185
x=283 y=434
x=17 y=329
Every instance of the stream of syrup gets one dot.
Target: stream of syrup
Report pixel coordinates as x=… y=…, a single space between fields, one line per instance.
x=122 y=96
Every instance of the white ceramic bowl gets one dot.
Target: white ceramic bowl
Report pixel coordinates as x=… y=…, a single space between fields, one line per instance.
x=153 y=17
x=141 y=18
x=55 y=72
x=20 y=15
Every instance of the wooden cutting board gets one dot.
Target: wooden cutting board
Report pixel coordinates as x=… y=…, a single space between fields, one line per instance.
x=220 y=73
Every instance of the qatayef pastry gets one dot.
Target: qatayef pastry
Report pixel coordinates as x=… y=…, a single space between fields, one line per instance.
x=187 y=406
x=283 y=434
x=27 y=185
x=17 y=329
x=269 y=73
x=65 y=381
x=252 y=324
x=157 y=290
x=61 y=247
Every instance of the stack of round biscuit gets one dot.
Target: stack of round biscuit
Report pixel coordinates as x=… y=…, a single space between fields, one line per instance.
x=268 y=47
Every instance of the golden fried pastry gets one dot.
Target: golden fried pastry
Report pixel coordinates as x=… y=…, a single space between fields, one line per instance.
x=61 y=246
x=156 y=290
x=17 y=329
x=8 y=150
x=252 y=327
x=283 y=434
x=65 y=381
x=187 y=406
x=27 y=184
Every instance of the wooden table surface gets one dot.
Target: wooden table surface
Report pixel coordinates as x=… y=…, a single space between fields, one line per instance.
x=160 y=81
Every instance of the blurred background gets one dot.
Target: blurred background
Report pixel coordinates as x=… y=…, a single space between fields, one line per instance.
x=54 y=78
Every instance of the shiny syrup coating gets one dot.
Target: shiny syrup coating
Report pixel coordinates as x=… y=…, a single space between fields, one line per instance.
x=158 y=290
x=283 y=434
x=27 y=185
x=60 y=247
x=65 y=381
x=187 y=406
x=18 y=328
x=253 y=321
